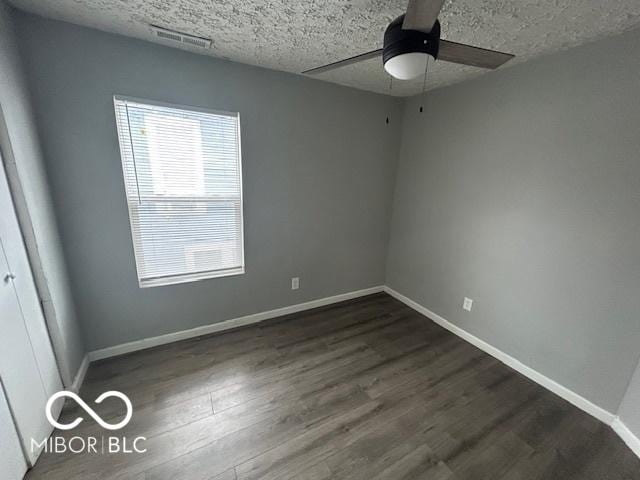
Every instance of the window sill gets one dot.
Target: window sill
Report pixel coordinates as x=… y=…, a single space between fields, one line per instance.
x=194 y=277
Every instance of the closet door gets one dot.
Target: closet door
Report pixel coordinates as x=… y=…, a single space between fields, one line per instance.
x=23 y=383
x=11 y=457
x=27 y=364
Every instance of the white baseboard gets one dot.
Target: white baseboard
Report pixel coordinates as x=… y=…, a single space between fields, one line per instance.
x=626 y=435
x=225 y=325
x=79 y=378
x=569 y=395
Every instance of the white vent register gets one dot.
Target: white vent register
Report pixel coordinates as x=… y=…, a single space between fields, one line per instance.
x=183 y=180
x=180 y=37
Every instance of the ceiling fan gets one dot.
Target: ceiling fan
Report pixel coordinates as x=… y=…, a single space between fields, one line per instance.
x=411 y=38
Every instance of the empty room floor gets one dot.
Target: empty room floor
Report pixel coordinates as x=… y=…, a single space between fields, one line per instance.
x=365 y=389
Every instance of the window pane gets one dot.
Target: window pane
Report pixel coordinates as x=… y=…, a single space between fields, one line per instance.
x=183 y=182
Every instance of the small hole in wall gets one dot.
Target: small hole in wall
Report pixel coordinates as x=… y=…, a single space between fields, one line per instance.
x=420 y=109
x=387 y=121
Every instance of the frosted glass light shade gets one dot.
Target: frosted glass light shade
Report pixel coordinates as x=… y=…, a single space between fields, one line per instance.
x=407 y=66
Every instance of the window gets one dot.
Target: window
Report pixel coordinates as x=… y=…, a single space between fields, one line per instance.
x=183 y=179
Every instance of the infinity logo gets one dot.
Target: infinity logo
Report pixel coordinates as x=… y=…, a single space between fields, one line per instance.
x=89 y=410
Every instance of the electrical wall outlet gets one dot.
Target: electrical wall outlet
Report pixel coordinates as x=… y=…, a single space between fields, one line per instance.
x=467 y=304
x=295 y=283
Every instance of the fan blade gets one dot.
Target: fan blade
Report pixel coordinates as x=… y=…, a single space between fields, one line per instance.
x=343 y=63
x=422 y=14
x=474 y=56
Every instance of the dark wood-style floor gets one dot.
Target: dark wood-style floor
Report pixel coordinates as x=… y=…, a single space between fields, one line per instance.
x=366 y=389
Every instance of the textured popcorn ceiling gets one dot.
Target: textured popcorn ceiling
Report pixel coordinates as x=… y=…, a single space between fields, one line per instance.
x=296 y=35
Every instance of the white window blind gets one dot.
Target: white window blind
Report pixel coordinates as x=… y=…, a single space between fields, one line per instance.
x=183 y=179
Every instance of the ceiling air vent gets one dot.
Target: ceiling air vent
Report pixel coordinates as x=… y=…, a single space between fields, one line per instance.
x=174 y=36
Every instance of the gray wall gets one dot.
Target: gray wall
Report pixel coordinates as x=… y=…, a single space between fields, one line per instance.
x=521 y=190
x=318 y=161
x=630 y=409
x=26 y=174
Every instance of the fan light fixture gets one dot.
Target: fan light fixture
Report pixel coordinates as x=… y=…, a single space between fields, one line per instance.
x=412 y=38
x=407 y=66
x=406 y=52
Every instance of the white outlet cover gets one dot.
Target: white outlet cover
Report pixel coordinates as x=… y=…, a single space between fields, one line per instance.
x=295 y=283
x=467 y=304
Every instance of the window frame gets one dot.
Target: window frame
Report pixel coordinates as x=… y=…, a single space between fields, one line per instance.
x=132 y=207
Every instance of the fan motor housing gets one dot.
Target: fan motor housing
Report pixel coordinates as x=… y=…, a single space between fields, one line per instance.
x=398 y=41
